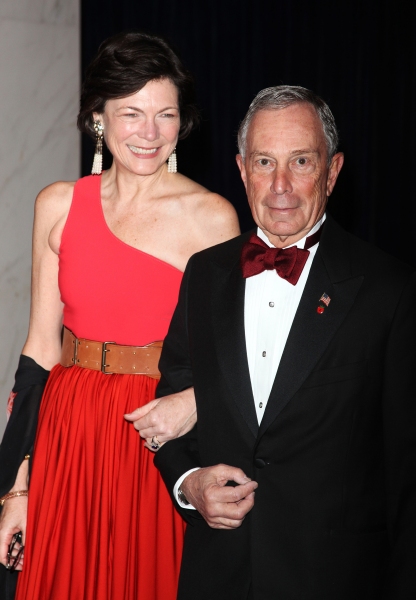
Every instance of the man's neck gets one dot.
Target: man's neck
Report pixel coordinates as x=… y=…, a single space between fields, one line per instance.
x=300 y=243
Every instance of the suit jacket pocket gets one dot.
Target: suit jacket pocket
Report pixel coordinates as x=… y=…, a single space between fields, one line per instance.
x=336 y=374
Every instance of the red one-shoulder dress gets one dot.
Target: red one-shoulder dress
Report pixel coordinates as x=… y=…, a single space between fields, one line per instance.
x=101 y=525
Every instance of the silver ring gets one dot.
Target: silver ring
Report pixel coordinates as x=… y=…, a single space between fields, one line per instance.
x=155 y=444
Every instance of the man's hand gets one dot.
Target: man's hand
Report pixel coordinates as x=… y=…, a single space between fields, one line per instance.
x=165 y=418
x=222 y=506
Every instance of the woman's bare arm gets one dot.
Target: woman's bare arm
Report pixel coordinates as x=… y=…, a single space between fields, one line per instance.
x=43 y=341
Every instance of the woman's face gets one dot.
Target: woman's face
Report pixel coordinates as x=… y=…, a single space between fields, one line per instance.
x=141 y=130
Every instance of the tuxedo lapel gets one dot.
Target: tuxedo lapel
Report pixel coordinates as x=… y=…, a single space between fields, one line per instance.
x=311 y=331
x=228 y=318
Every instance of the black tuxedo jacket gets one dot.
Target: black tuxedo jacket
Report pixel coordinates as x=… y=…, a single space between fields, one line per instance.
x=335 y=454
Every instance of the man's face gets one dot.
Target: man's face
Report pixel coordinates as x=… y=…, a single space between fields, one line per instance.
x=286 y=172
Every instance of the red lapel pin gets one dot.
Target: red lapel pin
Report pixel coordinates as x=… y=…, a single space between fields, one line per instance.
x=325 y=299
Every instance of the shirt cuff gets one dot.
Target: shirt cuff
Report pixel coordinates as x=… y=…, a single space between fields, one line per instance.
x=177 y=486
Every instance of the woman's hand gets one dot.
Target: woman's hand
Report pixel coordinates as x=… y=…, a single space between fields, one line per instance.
x=12 y=520
x=165 y=418
x=13 y=516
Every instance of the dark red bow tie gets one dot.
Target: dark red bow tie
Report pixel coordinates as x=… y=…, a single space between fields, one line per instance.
x=257 y=256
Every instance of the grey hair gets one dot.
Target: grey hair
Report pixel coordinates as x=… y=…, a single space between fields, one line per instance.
x=282 y=96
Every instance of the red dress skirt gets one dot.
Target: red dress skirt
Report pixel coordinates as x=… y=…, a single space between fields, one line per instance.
x=101 y=524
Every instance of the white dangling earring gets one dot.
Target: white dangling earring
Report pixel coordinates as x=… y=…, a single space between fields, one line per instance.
x=173 y=162
x=97 y=165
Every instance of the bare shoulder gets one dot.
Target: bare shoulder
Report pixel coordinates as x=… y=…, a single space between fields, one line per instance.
x=215 y=217
x=51 y=211
x=215 y=206
x=55 y=199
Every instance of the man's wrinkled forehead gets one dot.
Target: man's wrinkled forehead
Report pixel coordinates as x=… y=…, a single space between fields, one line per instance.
x=294 y=129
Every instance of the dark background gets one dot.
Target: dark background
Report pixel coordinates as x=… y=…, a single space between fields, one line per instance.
x=359 y=56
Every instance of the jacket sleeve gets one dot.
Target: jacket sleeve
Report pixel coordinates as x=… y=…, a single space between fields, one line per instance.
x=399 y=427
x=175 y=361
x=179 y=455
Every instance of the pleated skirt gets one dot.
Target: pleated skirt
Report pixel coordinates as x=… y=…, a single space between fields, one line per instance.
x=101 y=525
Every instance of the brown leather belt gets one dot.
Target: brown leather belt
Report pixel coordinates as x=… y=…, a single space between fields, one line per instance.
x=110 y=358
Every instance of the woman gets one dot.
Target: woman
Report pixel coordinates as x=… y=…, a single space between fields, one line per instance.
x=108 y=256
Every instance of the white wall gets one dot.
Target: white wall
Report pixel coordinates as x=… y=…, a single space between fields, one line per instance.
x=39 y=144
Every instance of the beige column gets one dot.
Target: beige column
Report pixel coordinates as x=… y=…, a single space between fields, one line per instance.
x=39 y=144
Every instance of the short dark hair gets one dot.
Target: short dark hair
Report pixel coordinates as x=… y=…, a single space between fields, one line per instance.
x=123 y=65
x=282 y=96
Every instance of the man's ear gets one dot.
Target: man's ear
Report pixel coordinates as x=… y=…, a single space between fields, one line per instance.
x=241 y=166
x=334 y=170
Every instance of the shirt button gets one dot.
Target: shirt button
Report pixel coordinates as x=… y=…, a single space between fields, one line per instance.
x=271 y=304
x=261 y=405
x=263 y=353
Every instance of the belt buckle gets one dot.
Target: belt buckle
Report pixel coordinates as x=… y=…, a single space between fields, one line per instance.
x=103 y=357
x=75 y=356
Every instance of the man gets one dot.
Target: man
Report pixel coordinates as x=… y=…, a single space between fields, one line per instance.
x=304 y=450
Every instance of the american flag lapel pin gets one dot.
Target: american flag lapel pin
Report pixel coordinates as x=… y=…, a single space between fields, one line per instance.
x=324 y=299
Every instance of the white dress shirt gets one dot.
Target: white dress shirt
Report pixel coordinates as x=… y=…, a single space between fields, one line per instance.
x=270 y=305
